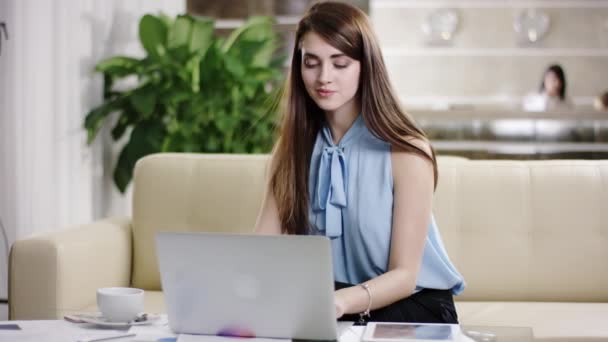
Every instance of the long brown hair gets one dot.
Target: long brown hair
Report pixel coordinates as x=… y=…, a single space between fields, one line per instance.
x=346 y=28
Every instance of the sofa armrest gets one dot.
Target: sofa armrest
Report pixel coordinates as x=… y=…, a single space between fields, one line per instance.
x=54 y=274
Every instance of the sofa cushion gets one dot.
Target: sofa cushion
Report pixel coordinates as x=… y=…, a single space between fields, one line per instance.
x=191 y=192
x=549 y=321
x=526 y=230
x=516 y=230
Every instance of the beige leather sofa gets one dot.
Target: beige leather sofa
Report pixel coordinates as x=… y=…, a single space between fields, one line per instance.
x=531 y=239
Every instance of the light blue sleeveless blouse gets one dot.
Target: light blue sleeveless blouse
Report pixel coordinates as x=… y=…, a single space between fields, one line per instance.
x=351 y=202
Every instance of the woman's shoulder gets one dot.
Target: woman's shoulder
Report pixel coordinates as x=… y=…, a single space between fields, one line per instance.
x=422 y=144
x=411 y=165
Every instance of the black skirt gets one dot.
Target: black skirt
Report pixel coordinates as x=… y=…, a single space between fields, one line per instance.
x=426 y=306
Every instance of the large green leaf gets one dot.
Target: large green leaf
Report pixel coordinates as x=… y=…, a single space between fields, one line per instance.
x=180 y=32
x=118 y=66
x=263 y=55
x=124 y=121
x=202 y=35
x=146 y=138
x=234 y=66
x=175 y=96
x=179 y=56
x=212 y=69
x=93 y=122
x=167 y=20
x=256 y=28
x=153 y=35
x=256 y=54
x=94 y=119
x=144 y=99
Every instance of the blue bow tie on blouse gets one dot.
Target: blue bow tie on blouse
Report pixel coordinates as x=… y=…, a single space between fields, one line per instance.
x=331 y=189
x=332 y=177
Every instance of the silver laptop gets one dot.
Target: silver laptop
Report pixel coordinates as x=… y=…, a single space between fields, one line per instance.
x=248 y=285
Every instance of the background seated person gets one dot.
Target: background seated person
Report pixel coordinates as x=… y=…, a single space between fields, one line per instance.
x=552 y=92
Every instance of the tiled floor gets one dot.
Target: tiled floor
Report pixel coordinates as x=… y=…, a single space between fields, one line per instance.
x=3 y=312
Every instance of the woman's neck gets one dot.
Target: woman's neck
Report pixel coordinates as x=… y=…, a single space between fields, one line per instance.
x=341 y=120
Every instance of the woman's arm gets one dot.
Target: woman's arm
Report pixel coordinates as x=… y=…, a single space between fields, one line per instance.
x=413 y=196
x=268 y=221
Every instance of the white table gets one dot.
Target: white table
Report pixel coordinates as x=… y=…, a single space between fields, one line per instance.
x=63 y=331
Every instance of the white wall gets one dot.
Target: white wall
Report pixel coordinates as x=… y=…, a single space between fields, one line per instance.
x=486 y=64
x=7 y=170
x=49 y=178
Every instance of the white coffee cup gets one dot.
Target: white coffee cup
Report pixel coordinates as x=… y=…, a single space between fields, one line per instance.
x=120 y=304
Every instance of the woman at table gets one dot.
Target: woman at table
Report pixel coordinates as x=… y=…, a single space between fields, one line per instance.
x=552 y=92
x=351 y=165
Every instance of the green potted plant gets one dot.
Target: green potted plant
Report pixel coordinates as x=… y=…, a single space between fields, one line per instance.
x=195 y=92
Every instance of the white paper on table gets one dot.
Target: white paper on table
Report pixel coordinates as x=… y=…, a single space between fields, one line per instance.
x=21 y=335
x=345 y=330
x=94 y=336
x=32 y=333
x=463 y=338
x=151 y=332
x=213 y=338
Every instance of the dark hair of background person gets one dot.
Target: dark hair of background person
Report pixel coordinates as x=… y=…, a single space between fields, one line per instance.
x=559 y=72
x=604 y=99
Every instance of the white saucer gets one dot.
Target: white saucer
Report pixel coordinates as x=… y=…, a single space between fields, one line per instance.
x=98 y=319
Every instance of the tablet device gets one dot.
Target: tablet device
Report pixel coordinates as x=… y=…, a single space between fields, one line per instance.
x=405 y=332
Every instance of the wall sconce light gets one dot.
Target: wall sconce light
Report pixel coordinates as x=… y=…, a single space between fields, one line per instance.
x=531 y=25
x=440 y=26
